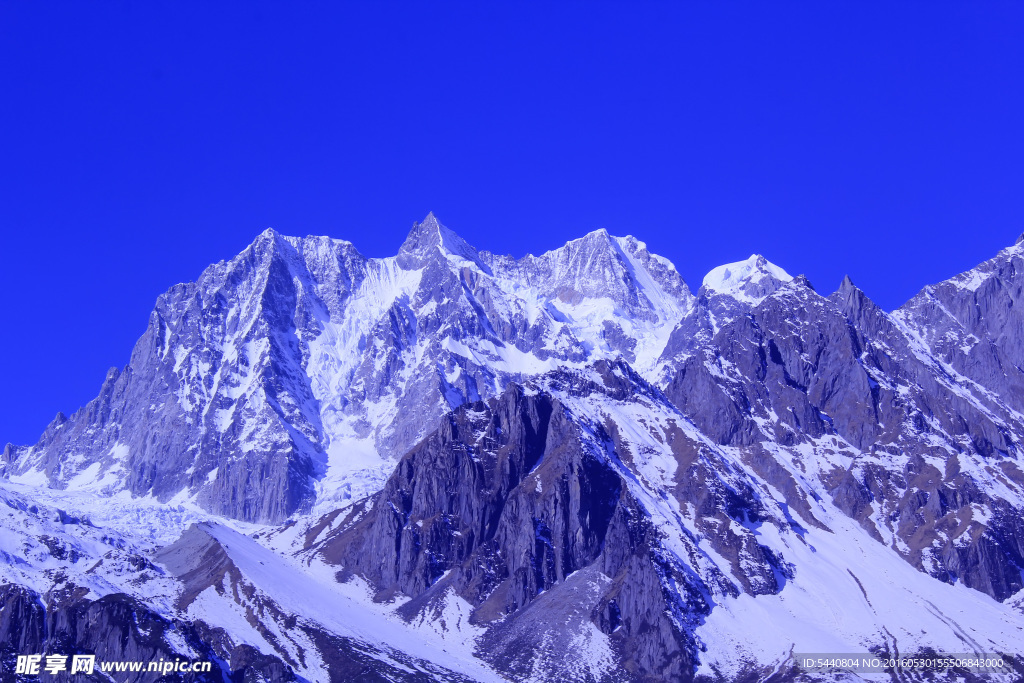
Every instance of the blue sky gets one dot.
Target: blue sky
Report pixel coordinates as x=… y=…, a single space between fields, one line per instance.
x=140 y=142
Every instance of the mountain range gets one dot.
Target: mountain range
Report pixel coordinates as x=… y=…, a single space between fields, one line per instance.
x=451 y=465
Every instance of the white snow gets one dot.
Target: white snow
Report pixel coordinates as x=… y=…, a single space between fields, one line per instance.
x=732 y=279
x=849 y=592
x=348 y=610
x=824 y=608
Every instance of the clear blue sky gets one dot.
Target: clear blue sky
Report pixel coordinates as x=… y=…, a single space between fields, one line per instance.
x=140 y=142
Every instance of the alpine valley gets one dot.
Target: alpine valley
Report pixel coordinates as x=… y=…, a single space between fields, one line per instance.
x=450 y=465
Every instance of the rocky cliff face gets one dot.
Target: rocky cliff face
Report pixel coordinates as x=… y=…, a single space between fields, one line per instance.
x=502 y=505
x=798 y=369
x=559 y=467
x=117 y=628
x=300 y=368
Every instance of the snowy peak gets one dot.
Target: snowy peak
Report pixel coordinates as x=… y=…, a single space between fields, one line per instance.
x=596 y=248
x=732 y=276
x=548 y=462
x=750 y=280
x=599 y=237
x=424 y=235
x=430 y=237
x=599 y=265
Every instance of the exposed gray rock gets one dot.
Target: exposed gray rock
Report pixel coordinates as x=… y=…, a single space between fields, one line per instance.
x=119 y=628
x=793 y=367
x=505 y=504
x=244 y=379
x=509 y=506
x=572 y=443
x=201 y=562
x=974 y=322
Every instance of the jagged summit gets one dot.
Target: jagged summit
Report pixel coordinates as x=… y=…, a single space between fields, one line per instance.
x=601 y=235
x=266 y=238
x=431 y=235
x=584 y=252
x=601 y=240
x=551 y=468
x=850 y=292
x=424 y=234
x=852 y=300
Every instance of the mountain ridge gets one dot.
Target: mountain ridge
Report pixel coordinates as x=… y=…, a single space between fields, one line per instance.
x=563 y=467
x=331 y=273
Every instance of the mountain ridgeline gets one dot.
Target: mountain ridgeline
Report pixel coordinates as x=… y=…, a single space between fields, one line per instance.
x=612 y=475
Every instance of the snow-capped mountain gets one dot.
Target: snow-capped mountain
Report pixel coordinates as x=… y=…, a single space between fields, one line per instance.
x=300 y=370
x=560 y=467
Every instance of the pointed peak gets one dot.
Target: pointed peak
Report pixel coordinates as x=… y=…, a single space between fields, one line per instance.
x=594 y=237
x=425 y=235
x=430 y=237
x=431 y=222
x=270 y=241
x=1020 y=239
x=267 y=237
x=847 y=289
x=851 y=298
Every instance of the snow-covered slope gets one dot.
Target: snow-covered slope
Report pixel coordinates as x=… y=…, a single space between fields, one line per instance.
x=300 y=371
x=747 y=281
x=559 y=467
